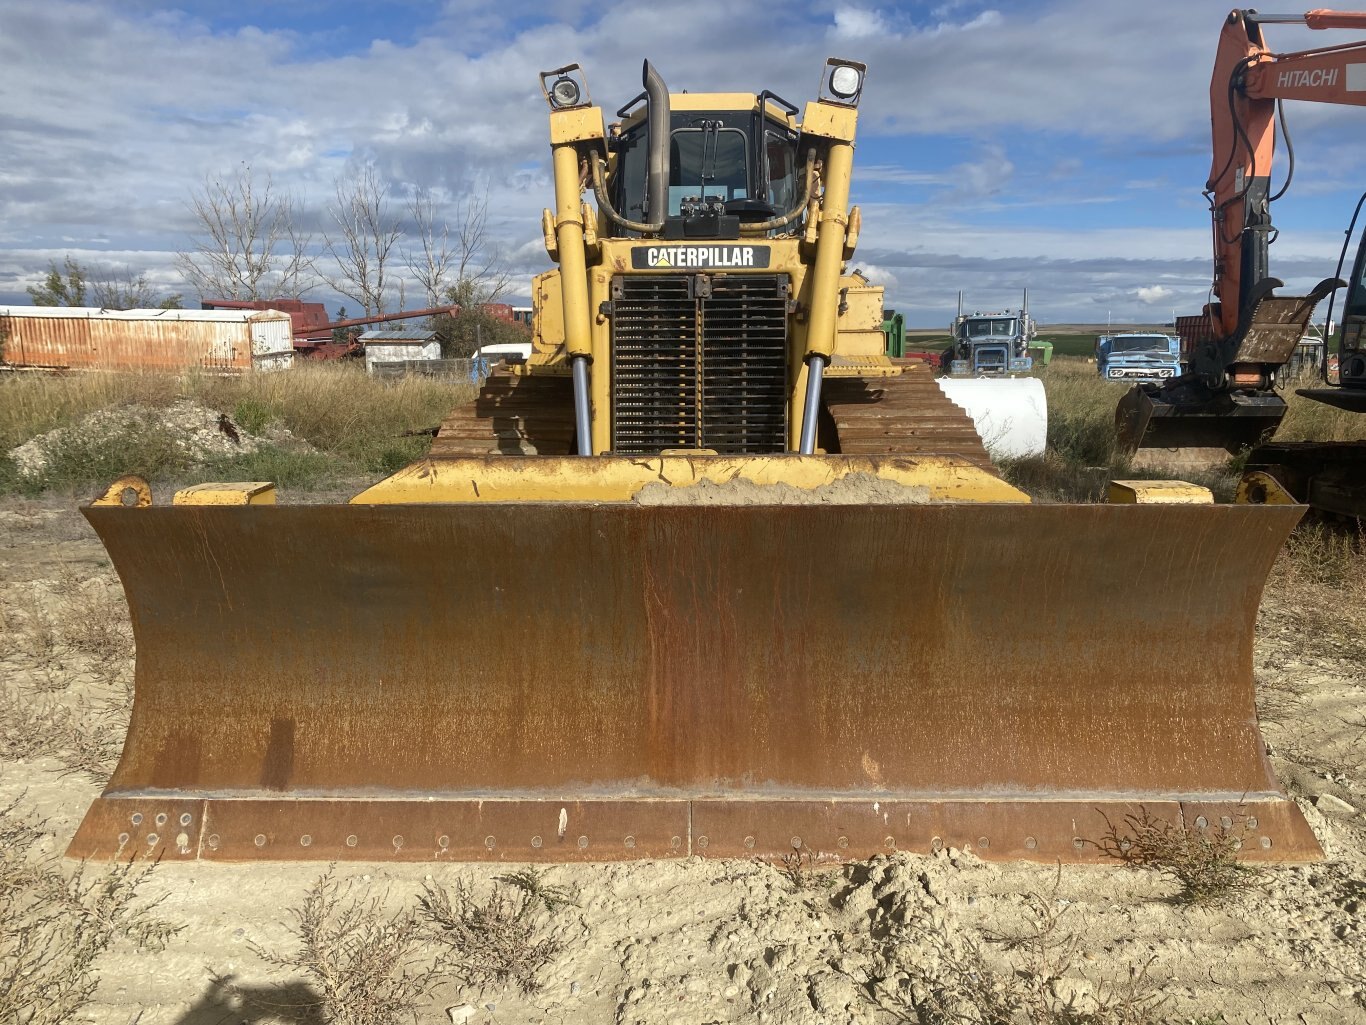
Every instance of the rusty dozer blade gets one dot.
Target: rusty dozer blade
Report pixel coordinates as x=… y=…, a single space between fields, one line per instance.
x=597 y=681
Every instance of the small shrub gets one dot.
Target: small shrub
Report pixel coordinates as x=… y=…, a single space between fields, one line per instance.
x=39 y=639
x=800 y=869
x=252 y=414
x=87 y=738
x=1205 y=863
x=499 y=940
x=368 y=967
x=93 y=620
x=53 y=926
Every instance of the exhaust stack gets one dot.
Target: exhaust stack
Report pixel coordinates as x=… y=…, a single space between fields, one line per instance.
x=657 y=103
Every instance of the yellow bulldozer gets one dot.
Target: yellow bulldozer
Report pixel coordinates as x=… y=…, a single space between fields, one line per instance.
x=707 y=575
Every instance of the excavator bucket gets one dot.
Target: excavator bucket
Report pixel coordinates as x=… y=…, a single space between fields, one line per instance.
x=1184 y=431
x=603 y=678
x=1183 y=424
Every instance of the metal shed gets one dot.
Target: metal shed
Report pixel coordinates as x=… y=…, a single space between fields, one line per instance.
x=399 y=346
x=83 y=338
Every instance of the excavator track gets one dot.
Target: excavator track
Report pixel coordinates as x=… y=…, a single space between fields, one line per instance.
x=517 y=414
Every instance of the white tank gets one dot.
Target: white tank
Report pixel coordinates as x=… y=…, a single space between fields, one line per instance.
x=1010 y=414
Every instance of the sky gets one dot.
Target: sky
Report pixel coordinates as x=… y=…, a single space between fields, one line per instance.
x=1054 y=145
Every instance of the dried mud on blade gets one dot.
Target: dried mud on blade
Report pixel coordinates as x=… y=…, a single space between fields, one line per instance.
x=593 y=682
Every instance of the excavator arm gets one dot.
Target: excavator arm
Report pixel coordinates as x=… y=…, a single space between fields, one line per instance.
x=1234 y=348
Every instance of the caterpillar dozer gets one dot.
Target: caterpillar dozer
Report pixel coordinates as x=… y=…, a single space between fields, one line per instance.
x=709 y=575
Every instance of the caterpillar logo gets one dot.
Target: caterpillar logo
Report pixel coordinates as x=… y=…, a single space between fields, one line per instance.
x=699 y=257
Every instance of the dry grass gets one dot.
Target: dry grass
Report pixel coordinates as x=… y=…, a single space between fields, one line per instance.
x=53 y=926
x=86 y=737
x=1082 y=456
x=1317 y=588
x=355 y=423
x=1206 y=863
x=79 y=629
x=945 y=976
x=502 y=939
x=363 y=965
x=1307 y=420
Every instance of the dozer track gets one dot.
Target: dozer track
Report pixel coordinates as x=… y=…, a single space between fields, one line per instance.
x=517 y=414
x=903 y=415
x=514 y=414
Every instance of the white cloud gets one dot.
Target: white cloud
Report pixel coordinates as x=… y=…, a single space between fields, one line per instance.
x=857 y=23
x=1151 y=294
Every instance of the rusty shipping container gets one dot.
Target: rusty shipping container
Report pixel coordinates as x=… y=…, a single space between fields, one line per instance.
x=80 y=338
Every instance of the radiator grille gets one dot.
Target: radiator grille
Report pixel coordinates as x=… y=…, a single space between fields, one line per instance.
x=699 y=361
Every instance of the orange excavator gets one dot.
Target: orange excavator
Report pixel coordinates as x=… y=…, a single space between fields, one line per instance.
x=1226 y=400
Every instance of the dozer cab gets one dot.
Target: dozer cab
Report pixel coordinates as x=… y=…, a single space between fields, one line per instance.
x=707 y=575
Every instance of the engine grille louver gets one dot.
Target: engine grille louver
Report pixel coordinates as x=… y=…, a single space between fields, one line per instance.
x=699 y=361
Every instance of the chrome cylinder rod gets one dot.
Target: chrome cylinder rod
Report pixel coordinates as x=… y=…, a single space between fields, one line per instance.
x=583 y=420
x=815 y=371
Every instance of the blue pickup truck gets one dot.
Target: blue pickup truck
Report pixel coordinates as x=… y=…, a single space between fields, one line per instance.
x=1138 y=357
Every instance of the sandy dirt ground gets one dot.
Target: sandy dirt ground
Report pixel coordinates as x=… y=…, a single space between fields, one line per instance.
x=697 y=942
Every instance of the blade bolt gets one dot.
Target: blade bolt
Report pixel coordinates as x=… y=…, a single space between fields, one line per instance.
x=796 y=843
x=490 y=842
x=305 y=840
x=352 y=840
x=260 y=840
x=630 y=842
x=443 y=841
x=583 y=842
x=535 y=841
x=1031 y=843
x=843 y=842
x=186 y=819
x=702 y=842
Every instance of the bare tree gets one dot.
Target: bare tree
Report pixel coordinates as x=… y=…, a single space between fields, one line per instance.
x=432 y=266
x=481 y=276
x=124 y=290
x=251 y=245
x=466 y=269
x=366 y=233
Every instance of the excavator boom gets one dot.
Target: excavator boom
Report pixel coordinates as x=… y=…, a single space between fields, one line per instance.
x=1226 y=400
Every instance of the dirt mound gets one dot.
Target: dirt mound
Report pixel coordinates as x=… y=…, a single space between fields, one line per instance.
x=855 y=489
x=194 y=433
